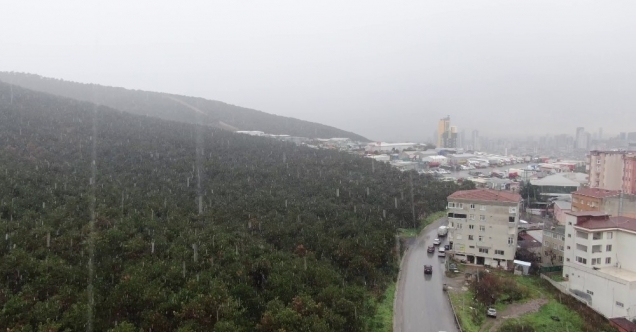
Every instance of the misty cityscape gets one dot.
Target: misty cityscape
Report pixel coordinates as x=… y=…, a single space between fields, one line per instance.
x=318 y=166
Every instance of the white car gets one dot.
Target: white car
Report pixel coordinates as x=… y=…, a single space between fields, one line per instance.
x=441 y=252
x=436 y=242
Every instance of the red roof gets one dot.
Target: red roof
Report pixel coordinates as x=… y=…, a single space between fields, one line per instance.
x=486 y=195
x=628 y=224
x=596 y=192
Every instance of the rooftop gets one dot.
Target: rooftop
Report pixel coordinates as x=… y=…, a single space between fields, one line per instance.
x=619 y=273
x=555 y=180
x=586 y=213
x=624 y=324
x=624 y=223
x=563 y=205
x=596 y=192
x=486 y=195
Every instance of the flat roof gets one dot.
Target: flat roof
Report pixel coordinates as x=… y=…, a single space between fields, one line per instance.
x=586 y=213
x=623 y=274
x=624 y=223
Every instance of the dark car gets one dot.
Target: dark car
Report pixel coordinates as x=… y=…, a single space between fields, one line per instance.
x=447 y=247
x=428 y=269
x=431 y=249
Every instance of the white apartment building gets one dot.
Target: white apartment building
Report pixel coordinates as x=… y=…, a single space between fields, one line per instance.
x=600 y=261
x=483 y=226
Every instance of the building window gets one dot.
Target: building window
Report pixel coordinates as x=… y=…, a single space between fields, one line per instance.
x=567 y=259
x=570 y=223
x=483 y=208
x=459 y=226
x=482 y=218
x=620 y=304
x=513 y=210
x=597 y=236
x=451 y=204
x=581 y=235
x=471 y=216
x=472 y=206
x=569 y=235
x=610 y=235
x=608 y=247
x=590 y=292
x=471 y=247
x=596 y=248
x=483 y=250
x=581 y=247
x=499 y=252
x=511 y=240
x=598 y=161
x=568 y=247
x=581 y=260
x=481 y=238
x=460 y=205
x=482 y=228
x=596 y=261
x=471 y=226
x=608 y=260
x=470 y=237
x=561 y=259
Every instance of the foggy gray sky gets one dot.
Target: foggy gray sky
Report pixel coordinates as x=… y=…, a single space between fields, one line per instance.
x=387 y=70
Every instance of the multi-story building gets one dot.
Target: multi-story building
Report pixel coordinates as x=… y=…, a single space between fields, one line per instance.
x=612 y=202
x=553 y=245
x=446 y=134
x=600 y=266
x=591 y=199
x=629 y=174
x=483 y=226
x=605 y=169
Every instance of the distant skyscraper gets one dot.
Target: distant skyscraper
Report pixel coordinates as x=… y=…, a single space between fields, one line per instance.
x=462 y=139
x=475 y=140
x=446 y=134
x=600 y=133
x=580 y=139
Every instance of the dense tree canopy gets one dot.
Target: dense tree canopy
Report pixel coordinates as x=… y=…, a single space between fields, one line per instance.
x=177 y=108
x=122 y=222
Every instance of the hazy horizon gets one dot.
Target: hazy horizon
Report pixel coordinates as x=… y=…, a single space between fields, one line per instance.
x=384 y=71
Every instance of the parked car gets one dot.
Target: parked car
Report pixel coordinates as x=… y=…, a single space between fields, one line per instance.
x=447 y=247
x=428 y=269
x=436 y=242
x=441 y=252
x=492 y=312
x=430 y=250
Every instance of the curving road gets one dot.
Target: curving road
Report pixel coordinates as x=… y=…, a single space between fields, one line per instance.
x=421 y=304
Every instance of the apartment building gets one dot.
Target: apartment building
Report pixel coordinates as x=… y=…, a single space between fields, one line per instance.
x=552 y=251
x=591 y=199
x=611 y=202
x=600 y=266
x=484 y=225
x=613 y=170
x=629 y=174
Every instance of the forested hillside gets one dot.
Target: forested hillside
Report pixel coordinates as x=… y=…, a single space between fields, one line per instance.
x=171 y=226
x=175 y=107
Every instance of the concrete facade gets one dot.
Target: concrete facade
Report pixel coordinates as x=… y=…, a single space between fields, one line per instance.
x=552 y=252
x=591 y=199
x=484 y=226
x=629 y=174
x=600 y=266
x=605 y=169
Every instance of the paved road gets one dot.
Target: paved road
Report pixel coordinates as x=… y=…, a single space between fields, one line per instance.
x=421 y=305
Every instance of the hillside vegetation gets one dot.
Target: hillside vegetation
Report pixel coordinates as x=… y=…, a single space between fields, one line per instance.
x=177 y=108
x=113 y=221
